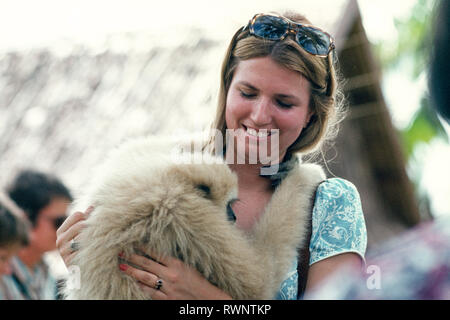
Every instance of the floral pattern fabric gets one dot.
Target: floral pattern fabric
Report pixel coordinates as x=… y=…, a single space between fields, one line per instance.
x=337 y=221
x=289 y=287
x=338 y=226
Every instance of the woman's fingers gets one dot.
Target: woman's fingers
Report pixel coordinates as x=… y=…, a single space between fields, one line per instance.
x=148 y=264
x=152 y=293
x=63 y=240
x=68 y=231
x=147 y=278
x=68 y=258
x=164 y=260
x=147 y=281
x=72 y=219
x=152 y=278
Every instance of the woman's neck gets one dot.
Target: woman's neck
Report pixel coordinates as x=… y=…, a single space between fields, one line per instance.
x=249 y=175
x=249 y=178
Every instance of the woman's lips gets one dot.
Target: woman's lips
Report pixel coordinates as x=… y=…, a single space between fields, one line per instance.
x=258 y=133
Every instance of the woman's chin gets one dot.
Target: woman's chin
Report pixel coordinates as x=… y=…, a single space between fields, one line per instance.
x=255 y=155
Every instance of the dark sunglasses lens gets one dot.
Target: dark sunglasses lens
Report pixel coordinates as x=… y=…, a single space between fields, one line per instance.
x=314 y=41
x=269 y=27
x=58 y=222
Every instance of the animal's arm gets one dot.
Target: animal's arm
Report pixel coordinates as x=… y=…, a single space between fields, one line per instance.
x=321 y=270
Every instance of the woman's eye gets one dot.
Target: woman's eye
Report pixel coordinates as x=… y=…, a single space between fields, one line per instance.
x=283 y=105
x=247 y=95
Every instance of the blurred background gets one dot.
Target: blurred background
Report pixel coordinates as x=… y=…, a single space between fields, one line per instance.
x=79 y=77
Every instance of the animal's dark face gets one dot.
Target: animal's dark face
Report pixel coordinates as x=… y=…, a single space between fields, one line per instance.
x=230 y=212
x=206 y=190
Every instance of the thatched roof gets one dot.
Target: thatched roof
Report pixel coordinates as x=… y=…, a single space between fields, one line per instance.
x=368 y=148
x=63 y=112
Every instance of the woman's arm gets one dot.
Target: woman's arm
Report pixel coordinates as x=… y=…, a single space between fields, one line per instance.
x=321 y=270
x=179 y=281
x=339 y=235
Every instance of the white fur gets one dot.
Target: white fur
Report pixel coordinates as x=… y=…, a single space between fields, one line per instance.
x=143 y=199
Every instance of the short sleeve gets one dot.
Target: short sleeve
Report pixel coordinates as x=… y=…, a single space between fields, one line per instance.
x=338 y=224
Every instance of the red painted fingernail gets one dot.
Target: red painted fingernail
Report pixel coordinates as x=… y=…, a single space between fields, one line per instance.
x=123 y=267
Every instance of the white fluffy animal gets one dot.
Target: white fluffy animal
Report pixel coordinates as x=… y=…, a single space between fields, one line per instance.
x=143 y=199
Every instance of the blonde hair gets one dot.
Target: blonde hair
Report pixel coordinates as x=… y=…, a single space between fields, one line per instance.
x=326 y=98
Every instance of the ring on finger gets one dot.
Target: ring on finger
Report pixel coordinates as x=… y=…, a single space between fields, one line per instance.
x=159 y=284
x=74 y=246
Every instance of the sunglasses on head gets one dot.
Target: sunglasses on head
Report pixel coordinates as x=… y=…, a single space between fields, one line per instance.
x=272 y=27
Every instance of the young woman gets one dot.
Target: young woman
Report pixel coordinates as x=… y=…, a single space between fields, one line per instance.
x=278 y=83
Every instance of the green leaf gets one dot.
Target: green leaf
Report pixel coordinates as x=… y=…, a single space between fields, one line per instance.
x=412 y=40
x=424 y=127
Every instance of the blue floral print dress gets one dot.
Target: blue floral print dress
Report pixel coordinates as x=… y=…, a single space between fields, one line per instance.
x=338 y=226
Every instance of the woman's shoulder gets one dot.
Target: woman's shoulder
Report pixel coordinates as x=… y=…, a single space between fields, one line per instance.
x=338 y=188
x=338 y=220
x=337 y=200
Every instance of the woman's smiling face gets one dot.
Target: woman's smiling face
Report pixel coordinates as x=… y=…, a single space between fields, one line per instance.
x=266 y=95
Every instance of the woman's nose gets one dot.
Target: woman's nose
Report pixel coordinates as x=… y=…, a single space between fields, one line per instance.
x=261 y=113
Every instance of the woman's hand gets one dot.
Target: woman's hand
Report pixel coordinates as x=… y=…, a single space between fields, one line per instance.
x=177 y=281
x=68 y=231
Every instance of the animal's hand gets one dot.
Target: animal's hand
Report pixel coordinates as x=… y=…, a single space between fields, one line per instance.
x=68 y=231
x=167 y=278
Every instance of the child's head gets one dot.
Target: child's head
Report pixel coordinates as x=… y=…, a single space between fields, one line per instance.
x=13 y=231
